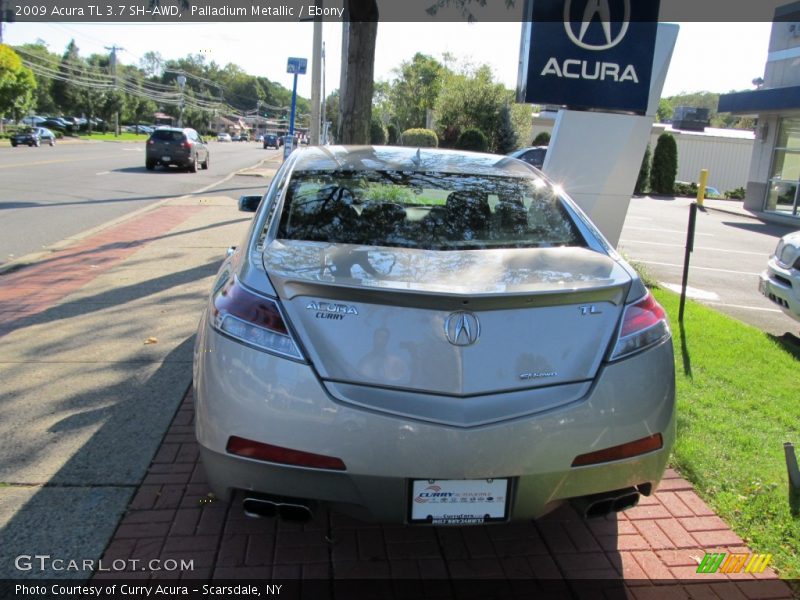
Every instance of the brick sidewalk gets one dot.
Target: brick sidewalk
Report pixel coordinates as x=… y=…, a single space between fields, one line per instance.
x=659 y=542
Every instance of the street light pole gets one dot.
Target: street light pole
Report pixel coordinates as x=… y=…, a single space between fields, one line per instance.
x=181 y=83
x=316 y=71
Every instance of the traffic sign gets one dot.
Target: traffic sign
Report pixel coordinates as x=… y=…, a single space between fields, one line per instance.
x=297 y=65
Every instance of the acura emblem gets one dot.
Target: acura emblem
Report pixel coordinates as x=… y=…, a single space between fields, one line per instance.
x=601 y=10
x=462 y=328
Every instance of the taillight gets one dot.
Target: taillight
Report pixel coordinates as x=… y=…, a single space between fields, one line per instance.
x=252 y=319
x=644 y=324
x=151 y=142
x=285 y=456
x=187 y=144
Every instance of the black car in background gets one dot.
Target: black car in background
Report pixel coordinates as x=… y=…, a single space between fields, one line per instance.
x=533 y=155
x=33 y=136
x=272 y=141
x=180 y=147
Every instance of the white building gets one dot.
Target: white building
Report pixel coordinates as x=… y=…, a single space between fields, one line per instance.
x=774 y=171
x=724 y=152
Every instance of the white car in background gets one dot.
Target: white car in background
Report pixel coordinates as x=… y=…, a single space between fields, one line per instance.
x=224 y=137
x=780 y=282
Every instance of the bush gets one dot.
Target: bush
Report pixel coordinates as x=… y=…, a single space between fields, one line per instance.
x=472 y=139
x=423 y=138
x=685 y=189
x=644 y=173
x=541 y=139
x=665 y=165
x=392 y=134
x=737 y=194
x=377 y=133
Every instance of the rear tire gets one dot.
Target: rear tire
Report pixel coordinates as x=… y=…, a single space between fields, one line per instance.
x=52 y=142
x=13 y=144
x=193 y=165
x=207 y=162
x=150 y=165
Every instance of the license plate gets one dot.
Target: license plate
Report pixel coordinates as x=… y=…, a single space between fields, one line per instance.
x=458 y=501
x=166 y=158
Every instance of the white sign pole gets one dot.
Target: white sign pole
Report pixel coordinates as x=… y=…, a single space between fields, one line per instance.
x=596 y=156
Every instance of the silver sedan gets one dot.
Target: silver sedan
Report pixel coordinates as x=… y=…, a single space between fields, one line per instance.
x=425 y=336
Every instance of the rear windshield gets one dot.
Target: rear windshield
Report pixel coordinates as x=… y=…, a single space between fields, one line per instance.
x=427 y=210
x=167 y=136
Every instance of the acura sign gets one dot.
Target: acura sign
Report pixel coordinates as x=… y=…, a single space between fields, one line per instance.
x=588 y=54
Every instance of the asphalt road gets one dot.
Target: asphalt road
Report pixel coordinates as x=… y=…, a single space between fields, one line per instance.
x=49 y=194
x=729 y=253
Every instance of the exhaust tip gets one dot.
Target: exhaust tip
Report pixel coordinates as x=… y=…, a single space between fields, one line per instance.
x=288 y=509
x=295 y=512
x=599 y=509
x=625 y=502
x=258 y=508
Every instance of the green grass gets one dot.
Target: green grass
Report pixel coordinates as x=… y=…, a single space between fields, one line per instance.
x=122 y=137
x=738 y=395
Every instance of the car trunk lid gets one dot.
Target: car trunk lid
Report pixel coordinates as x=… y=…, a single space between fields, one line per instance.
x=457 y=323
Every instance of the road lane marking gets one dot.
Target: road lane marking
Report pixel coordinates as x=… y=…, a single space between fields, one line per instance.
x=52 y=162
x=772 y=310
x=663 y=264
x=691 y=292
x=667 y=230
x=764 y=254
x=103 y=173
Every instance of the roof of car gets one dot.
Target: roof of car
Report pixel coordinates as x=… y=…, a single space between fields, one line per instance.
x=402 y=158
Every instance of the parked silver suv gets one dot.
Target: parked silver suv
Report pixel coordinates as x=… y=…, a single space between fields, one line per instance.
x=180 y=147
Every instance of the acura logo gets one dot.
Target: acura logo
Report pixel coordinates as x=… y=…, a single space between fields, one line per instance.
x=600 y=10
x=462 y=328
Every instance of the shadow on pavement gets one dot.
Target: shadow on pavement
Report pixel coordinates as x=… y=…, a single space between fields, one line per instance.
x=770 y=229
x=74 y=514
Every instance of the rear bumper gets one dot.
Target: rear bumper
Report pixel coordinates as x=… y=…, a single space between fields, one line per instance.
x=181 y=159
x=253 y=395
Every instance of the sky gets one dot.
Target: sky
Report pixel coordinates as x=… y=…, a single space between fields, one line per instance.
x=716 y=57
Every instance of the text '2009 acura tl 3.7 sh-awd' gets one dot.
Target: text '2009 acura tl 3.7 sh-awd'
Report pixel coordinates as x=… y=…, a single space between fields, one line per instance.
x=429 y=336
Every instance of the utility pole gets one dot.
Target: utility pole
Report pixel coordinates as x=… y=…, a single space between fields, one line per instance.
x=324 y=135
x=113 y=50
x=316 y=71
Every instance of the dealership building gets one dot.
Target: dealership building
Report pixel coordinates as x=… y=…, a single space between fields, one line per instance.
x=773 y=180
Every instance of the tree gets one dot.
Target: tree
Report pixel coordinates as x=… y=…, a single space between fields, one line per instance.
x=332 y=113
x=665 y=165
x=377 y=132
x=644 y=173
x=152 y=63
x=506 y=136
x=415 y=90
x=355 y=102
x=392 y=135
x=17 y=84
x=664 y=111
x=66 y=95
x=43 y=95
x=470 y=100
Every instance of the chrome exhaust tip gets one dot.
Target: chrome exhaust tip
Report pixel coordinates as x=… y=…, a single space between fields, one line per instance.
x=288 y=509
